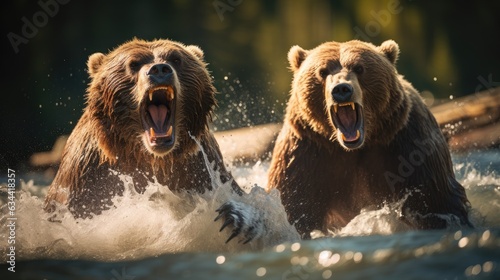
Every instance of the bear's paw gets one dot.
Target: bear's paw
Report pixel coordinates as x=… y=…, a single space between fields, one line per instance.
x=245 y=220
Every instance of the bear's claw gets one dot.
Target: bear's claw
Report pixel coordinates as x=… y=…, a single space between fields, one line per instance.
x=244 y=218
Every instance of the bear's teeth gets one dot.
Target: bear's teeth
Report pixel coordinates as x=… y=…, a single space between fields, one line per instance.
x=358 y=134
x=169 y=132
x=348 y=104
x=170 y=93
x=336 y=106
x=168 y=89
x=152 y=132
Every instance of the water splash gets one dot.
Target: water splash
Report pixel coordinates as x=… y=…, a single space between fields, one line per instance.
x=156 y=222
x=160 y=221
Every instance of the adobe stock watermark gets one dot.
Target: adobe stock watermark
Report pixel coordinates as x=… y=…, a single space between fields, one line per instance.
x=407 y=165
x=11 y=220
x=31 y=26
x=222 y=6
x=380 y=19
x=488 y=85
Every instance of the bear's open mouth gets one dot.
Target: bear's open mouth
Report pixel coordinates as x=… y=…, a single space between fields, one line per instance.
x=158 y=117
x=348 y=119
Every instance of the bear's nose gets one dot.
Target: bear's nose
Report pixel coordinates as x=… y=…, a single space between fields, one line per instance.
x=159 y=73
x=342 y=92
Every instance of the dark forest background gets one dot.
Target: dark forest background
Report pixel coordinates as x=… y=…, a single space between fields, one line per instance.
x=448 y=48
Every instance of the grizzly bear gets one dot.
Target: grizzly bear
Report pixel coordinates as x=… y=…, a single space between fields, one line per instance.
x=357 y=134
x=148 y=104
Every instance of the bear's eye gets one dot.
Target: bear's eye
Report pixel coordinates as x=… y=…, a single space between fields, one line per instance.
x=134 y=65
x=175 y=59
x=358 y=69
x=323 y=72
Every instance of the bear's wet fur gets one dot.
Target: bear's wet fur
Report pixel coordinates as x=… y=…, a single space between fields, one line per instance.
x=357 y=134
x=145 y=101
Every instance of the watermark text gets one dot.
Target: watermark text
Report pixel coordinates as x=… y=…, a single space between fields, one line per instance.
x=30 y=28
x=222 y=6
x=11 y=220
x=407 y=165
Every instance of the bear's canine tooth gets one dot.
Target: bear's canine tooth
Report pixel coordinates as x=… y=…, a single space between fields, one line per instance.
x=170 y=93
x=151 y=95
x=152 y=132
x=169 y=132
x=345 y=104
x=335 y=108
x=358 y=134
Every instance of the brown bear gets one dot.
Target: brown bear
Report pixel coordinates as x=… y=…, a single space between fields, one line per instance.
x=357 y=134
x=148 y=103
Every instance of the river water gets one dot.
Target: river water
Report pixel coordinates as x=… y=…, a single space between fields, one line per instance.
x=162 y=235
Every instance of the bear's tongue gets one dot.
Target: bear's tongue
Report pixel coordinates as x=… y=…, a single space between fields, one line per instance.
x=158 y=115
x=347 y=117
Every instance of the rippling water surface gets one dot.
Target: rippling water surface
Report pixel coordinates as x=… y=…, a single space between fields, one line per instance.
x=162 y=235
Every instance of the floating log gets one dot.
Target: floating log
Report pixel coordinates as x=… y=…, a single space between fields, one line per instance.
x=52 y=157
x=471 y=122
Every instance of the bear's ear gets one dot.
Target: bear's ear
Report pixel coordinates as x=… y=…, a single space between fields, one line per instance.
x=94 y=63
x=296 y=56
x=391 y=50
x=196 y=51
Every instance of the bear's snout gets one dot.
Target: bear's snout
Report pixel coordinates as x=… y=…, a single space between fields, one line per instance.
x=346 y=114
x=342 y=93
x=160 y=73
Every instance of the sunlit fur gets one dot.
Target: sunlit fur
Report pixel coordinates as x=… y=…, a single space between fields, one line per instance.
x=324 y=183
x=109 y=135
